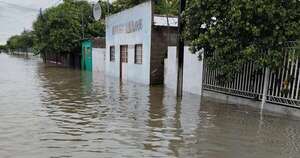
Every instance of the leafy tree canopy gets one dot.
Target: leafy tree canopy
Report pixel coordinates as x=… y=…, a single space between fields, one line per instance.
x=21 y=42
x=165 y=7
x=120 y=5
x=60 y=29
x=233 y=32
x=3 y=48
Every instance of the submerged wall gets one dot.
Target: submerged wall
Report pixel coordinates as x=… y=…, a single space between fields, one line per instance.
x=98 y=56
x=192 y=72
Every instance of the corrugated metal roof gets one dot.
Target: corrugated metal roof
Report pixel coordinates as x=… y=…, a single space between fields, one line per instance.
x=163 y=21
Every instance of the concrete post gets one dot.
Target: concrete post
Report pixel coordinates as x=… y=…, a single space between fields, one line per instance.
x=266 y=87
x=108 y=5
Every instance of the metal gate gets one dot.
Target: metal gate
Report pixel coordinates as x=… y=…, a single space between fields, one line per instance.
x=86 y=61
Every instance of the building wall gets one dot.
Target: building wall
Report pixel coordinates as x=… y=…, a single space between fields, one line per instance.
x=98 y=56
x=118 y=32
x=192 y=72
x=162 y=37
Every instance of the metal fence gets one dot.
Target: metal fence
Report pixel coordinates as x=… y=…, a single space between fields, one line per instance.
x=283 y=88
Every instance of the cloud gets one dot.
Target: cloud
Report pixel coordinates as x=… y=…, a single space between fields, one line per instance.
x=17 y=15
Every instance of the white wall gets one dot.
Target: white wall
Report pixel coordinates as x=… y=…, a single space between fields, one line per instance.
x=192 y=71
x=133 y=72
x=98 y=56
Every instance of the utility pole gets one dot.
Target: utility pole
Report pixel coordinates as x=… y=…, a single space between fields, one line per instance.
x=180 y=49
x=108 y=7
x=82 y=24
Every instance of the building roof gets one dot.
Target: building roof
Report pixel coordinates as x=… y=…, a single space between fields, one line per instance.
x=160 y=20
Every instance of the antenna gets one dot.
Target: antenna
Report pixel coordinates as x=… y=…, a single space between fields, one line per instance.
x=97 y=11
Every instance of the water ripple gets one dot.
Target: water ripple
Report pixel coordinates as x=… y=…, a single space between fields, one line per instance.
x=59 y=112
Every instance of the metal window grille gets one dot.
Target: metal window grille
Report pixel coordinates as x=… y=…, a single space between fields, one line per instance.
x=112 y=53
x=138 y=57
x=124 y=53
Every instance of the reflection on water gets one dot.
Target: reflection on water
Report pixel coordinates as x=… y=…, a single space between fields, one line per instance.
x=47 y=111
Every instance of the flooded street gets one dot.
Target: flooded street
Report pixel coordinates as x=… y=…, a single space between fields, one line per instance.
x=52 y=112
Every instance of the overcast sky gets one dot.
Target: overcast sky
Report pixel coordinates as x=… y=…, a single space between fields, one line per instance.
x=17 y=15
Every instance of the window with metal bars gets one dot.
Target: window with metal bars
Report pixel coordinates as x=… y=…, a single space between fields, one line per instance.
x=124 y=53
x=112 y=53
x=138 y=54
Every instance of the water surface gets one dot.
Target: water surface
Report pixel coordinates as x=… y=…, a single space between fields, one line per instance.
x=52 y=112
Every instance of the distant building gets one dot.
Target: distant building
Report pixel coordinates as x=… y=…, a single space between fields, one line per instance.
x=93 y=54
x=136 y=44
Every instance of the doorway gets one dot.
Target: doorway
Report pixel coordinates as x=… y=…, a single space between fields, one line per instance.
x=123 y=61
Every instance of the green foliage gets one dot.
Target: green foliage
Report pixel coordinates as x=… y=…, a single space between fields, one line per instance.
x=3 y=48
x=104 y=8
x=21 y=42
x=120 y=5
x=167 y=7
x=60 y=29
x=164 y=7
x=234 y=32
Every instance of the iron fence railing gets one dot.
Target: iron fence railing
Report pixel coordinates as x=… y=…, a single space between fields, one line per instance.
x=284 y=84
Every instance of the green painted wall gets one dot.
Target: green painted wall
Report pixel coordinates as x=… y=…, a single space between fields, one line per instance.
x=86 y=55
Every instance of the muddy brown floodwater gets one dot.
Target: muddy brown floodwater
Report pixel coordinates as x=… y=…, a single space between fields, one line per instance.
x=52 y=112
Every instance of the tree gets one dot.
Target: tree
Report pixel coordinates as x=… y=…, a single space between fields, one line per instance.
x=21 y=42
x=234 y=32
x=60 y=29
x=165 y=7
x=120 y=5
x=3 y=48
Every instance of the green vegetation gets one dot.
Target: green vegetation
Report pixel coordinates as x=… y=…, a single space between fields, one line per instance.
x=3 y=48
x=120 y=5
x=60 y=29
x=167 y=7
x=164 y=7
x=22 y=42
x=234 y=32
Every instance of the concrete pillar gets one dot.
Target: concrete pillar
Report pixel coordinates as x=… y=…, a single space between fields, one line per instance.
x=266 y=87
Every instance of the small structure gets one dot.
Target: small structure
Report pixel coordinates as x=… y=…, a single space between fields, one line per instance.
x=86 y=55
x=137 y=42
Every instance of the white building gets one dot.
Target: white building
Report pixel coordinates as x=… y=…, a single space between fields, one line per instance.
x=136 y=44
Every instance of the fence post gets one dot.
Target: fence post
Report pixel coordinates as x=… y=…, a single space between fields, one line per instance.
x=266 y=87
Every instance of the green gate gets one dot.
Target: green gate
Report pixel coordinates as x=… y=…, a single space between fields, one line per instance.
x=86 y=55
